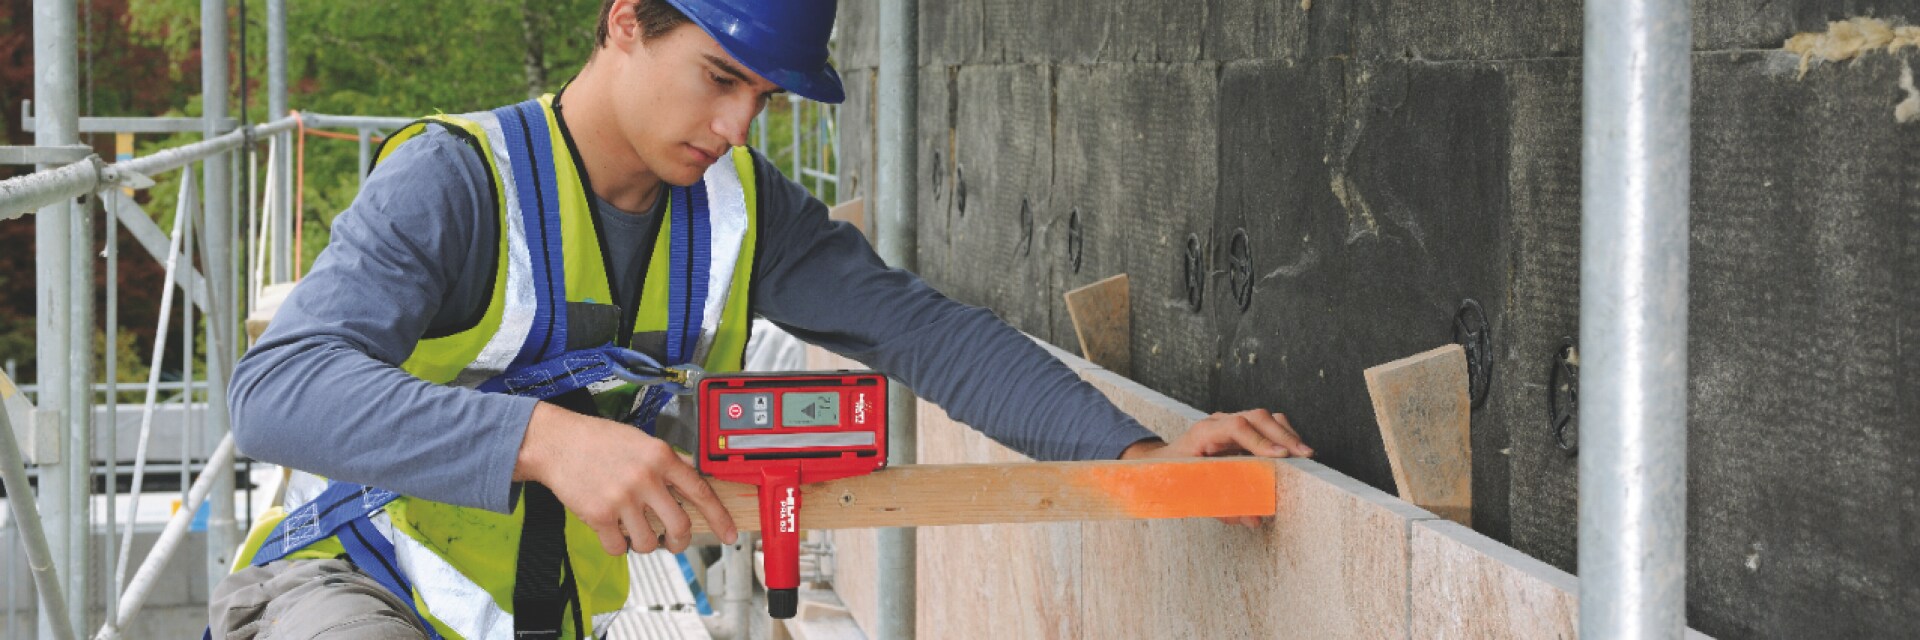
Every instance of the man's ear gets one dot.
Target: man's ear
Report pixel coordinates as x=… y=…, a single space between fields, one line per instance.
x=623 y=25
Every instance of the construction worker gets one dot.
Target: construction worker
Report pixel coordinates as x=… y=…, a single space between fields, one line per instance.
x=452 y=367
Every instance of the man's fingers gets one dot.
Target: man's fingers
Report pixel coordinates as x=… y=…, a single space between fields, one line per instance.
x=696 y=490
x=678 y=529
x=1251 y=438
x=1298 y=444
x=638 y=531
x=612 y=539
x=1276 y=429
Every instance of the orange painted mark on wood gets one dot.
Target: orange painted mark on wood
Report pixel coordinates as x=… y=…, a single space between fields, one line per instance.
x=1188 y=489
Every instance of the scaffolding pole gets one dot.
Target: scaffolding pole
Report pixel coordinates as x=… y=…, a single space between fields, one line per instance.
x=217 y=257
x=1633 y=319
x=56 y=86
x=894 y=198
x=280 y=212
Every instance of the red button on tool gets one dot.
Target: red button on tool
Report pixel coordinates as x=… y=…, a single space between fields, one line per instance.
x=734 y=411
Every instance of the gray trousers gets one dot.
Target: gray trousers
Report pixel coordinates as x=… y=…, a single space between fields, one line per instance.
x=308 y=599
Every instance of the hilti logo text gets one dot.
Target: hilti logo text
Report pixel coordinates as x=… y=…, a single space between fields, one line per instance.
x=786 y=513
x=860 y=409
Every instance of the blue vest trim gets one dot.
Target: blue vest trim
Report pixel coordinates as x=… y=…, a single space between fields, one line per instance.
x=530 y=147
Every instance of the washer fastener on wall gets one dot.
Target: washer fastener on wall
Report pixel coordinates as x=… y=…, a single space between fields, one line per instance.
x=1196 y=272
x=1240 y=268
x=1471 y=331
x=1563 y=396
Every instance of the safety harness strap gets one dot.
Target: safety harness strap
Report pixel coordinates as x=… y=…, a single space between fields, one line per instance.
x=341 y=511
x=544 y=586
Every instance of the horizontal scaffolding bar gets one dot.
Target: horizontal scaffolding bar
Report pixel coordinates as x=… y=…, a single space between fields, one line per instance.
x=64 y=154
x=25 y=194
x=325 y=121
x=98 y=124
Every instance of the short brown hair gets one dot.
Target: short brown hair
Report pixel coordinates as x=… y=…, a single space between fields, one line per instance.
x=656 y=19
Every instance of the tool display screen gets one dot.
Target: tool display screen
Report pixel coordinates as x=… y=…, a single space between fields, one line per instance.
x=810 y=409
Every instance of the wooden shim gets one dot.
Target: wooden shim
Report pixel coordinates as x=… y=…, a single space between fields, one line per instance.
x=271 y=297
x=953 y=494
x=1101 y=321
x=1422 y=406
x=853 y=212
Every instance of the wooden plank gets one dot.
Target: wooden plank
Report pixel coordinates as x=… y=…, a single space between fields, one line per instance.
x=1100 y=313
x=271 y=297
x=853 y=212
x=951 y=494
x=1422 y=406
x=1466 y=585
x=1330 y=564
x=1036 y=565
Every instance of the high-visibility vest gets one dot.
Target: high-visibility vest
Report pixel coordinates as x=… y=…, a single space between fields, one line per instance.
x=462 y=563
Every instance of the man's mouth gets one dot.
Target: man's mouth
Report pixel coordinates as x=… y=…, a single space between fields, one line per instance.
x=704 y=156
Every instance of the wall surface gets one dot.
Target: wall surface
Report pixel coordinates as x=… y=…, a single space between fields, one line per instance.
x=1302 y=189
x=1338 y=559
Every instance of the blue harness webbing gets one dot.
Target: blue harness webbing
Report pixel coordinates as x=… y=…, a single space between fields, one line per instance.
x=543 y=368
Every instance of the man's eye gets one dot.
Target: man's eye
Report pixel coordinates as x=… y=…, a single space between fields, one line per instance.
x=721 y=80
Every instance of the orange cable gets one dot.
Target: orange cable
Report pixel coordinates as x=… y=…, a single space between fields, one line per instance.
x=343 y=136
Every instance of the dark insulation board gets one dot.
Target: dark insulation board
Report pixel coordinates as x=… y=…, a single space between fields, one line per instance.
x=1349 y=174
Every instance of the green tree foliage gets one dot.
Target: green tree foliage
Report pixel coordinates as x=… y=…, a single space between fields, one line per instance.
x=403 y=58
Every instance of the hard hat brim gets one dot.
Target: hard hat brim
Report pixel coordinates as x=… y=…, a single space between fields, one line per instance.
x=820 y=85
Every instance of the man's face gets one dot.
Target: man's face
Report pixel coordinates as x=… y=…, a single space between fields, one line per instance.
x=682 y=101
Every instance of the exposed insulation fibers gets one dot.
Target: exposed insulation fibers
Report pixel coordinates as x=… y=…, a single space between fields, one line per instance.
x=1908 y=109
x=1849 y=39
x=1908 y=36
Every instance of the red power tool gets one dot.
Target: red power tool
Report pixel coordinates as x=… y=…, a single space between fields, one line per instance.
x=781 y=430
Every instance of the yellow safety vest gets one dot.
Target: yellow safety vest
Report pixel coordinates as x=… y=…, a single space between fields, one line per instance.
x=461 y=561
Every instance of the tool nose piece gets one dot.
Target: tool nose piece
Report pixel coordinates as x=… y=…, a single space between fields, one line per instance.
x=782 y=603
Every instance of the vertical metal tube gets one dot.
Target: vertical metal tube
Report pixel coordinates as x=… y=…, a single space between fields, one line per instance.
x=56 y=122
x=281 y=212
x=793 y=127
x=894 y=198
x=217 y=257
x=760 y=130
x=1633 y=318
x=366 y=154
x=79 y=440
x=110 y=429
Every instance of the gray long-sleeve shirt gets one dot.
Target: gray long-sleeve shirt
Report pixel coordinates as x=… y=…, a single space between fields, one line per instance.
x=322 y=391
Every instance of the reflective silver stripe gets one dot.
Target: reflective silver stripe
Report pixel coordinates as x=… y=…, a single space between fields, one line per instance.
x=604 y=621
x=727 y=222
x=516 y=319
x=456 y=601
x=302 y=488
x=450 y=596
x=798 y=440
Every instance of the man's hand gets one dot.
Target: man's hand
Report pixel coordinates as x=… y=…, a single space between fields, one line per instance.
x=1254 y=431
x=611 y=474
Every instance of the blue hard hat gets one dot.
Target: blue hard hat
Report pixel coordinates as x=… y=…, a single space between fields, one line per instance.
x=785 y=41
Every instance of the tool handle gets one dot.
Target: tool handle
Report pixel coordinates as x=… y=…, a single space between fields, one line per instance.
x=780 y=536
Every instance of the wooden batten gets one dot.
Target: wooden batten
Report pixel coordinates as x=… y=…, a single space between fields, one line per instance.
x=1422 y=406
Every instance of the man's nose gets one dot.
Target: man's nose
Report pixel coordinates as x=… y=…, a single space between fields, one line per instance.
x=733 y=124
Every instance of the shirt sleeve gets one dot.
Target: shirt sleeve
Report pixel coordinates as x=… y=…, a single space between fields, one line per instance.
x=821 y=281
x=323 y=390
